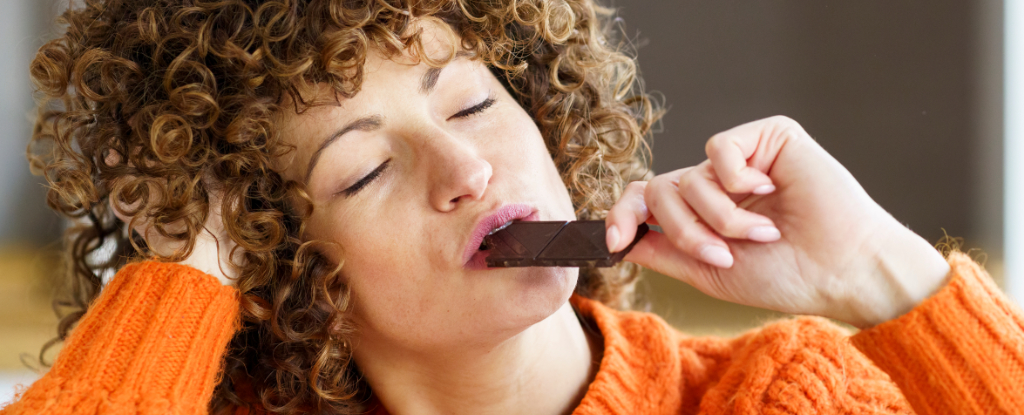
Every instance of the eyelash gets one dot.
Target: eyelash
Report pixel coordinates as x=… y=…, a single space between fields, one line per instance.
x=476 y=109
x=351 y=190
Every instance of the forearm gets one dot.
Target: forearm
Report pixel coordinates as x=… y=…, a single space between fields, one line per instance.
x=152 y=342
x=961 y=351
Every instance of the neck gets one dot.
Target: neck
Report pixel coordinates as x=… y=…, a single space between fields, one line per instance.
x=543 y=370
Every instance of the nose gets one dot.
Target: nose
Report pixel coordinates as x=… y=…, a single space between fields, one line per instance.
x=458 y=173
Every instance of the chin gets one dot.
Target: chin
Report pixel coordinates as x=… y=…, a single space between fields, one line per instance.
x=542 y=291
x=525 y=297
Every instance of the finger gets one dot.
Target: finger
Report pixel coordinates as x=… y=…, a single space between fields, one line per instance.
x=656 y=252
x=702 y=192
x=623 y=218
x=682 y=226
x=728 y=154
x=743 y=155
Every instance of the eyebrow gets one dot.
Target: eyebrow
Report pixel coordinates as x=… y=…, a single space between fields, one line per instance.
x=429 y=79
x=369 y=123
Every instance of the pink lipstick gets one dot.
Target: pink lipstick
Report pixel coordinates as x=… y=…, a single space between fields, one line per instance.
x=473 y=257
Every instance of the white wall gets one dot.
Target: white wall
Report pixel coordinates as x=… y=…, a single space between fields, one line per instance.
x=1014 y=149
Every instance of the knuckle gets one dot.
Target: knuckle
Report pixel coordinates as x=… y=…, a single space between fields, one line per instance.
x=732 y=185
x=783 y=120
x=680 y=240
x=692 y=186
x=731 y=225
x=704 y=169
x=689 y=191
x=636 y=187
x=653 y=201
x=686 y=182
x=638 y=203
x=657 y=185
x=715 y=142
x=720 y=221
x=788 y=126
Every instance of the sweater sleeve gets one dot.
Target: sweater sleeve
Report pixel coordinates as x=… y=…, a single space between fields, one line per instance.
x=961 y=351
x=151 y=343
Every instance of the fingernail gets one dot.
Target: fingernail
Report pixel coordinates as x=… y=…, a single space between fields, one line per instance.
x=764 y=234
x=612 y=237
x=764 y=189
x=716 y=255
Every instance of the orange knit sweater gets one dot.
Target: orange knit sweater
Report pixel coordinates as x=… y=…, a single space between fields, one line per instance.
x=154 y=339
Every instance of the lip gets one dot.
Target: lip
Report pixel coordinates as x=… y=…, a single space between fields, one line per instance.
x=484 y=226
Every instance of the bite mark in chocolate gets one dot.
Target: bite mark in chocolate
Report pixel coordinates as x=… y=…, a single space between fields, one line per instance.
x=554 y=244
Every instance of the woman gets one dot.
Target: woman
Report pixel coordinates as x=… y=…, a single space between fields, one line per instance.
x=324 y=171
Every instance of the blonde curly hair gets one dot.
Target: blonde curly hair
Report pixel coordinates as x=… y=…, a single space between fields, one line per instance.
x=150 y=103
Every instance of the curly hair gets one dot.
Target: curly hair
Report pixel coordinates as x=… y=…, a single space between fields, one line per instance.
x=158 y=104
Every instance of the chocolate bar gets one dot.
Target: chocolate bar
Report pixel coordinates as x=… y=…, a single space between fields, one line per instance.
x=554 y=244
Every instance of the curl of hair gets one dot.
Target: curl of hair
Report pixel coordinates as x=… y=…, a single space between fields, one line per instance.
x=154 y=104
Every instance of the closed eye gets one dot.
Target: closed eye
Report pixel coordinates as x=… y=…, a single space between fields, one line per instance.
x=476 y=109
x=351 y=190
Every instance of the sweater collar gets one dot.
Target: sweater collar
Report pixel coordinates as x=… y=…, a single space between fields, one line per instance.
x=640 y=364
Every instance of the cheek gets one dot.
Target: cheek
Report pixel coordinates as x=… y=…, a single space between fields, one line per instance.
x=379 y=241
x=386 y=256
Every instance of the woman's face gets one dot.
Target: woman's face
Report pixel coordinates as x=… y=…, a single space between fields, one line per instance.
x=406 y=177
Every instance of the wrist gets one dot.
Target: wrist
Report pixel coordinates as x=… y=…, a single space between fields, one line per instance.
x=906 y=270
x=211 y=256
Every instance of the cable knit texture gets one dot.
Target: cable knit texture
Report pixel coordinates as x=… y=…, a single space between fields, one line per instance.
x=798 y=366
x=959 y=352
x=151 y=343
x=154 y=340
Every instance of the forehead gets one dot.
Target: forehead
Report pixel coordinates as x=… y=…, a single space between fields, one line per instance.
x=406 y=72
x=436 y=45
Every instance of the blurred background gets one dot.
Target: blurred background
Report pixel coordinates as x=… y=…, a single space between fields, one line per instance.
x=909 y=95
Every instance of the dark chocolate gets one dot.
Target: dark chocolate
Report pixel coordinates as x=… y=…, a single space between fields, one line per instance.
x=554 y=244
